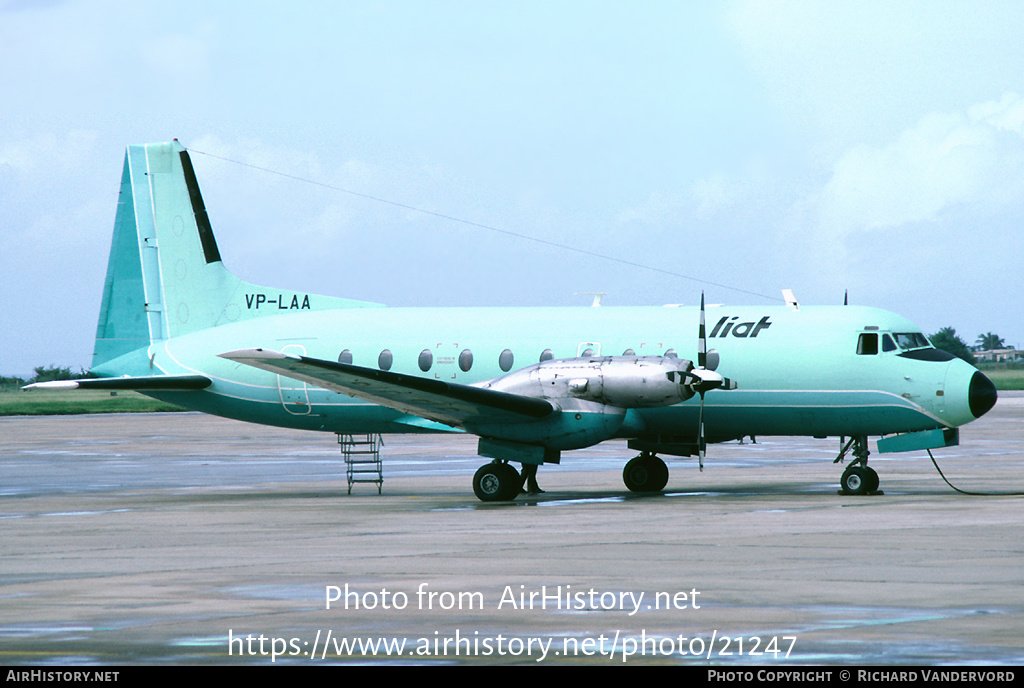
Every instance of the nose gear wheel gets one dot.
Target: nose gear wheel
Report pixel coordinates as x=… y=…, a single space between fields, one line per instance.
x=858 y=478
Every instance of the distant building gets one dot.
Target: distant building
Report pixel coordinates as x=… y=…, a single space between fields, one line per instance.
x=999 y=355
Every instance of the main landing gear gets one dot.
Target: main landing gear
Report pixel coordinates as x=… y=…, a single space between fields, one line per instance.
x=500 y=482
x=858 y=478
x=496 y=482
x=645 y=473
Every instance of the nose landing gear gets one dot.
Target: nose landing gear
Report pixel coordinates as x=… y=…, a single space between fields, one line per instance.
x=858 y=478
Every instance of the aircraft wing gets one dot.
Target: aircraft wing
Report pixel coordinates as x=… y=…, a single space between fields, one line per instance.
x=145 y=383
x=445 y=402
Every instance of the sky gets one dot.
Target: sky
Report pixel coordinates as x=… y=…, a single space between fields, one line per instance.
x=735 y=148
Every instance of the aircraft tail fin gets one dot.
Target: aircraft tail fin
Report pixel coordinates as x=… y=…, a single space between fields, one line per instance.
x=165 y=277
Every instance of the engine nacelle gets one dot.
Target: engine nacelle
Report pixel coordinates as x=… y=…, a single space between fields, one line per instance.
x=621 y=381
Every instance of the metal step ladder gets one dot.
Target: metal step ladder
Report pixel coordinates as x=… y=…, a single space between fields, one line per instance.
x=362 y=459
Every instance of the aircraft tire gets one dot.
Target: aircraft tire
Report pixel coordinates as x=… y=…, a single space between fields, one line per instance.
x=855 y=481
x=872 y=479
x=645 y=474
x=496 y=482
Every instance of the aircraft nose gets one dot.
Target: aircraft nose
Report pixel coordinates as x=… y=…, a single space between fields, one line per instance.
x=981 y=395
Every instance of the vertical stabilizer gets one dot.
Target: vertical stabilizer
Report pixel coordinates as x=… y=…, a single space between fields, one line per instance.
x=165 y=277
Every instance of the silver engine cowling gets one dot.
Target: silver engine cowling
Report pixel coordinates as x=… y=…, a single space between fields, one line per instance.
x=621 y=381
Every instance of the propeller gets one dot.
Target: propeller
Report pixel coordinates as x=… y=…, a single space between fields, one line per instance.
x=707 y=379
x=842 y=438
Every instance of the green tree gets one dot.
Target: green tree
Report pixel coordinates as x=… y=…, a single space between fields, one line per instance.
x=11 y=382
x=989 y=341
x=48 y=373
x=947 y=340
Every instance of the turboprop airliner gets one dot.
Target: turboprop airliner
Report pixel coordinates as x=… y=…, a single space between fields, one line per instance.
x=530 y=383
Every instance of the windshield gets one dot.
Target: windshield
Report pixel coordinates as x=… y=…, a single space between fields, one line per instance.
x=910 y=340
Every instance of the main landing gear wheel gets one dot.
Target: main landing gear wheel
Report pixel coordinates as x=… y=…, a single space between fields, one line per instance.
x=855 y=481
x=645 y=473
x=496 y=482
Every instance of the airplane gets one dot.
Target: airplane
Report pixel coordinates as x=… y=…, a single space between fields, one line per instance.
x=530 y=383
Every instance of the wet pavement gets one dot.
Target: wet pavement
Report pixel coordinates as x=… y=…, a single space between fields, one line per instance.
x=190 y=539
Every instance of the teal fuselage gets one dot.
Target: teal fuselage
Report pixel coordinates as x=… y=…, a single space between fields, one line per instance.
x=798 y=371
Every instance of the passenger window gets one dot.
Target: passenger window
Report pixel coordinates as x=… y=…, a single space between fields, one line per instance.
x=465 y=360
x=868 y=344
x=887 y=343
x=546 y=355
x=385 y=360
x=345 y=357
x=505 y=360
x=426 y=360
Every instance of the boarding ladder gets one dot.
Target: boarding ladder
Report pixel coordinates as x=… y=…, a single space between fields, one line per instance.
x=362 y=459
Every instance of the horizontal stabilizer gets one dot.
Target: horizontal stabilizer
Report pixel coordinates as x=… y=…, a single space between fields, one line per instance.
x=444 y=402
x=149 y=383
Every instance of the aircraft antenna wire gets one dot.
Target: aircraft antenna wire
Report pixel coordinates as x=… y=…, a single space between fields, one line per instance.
x=972 y=494
x=470 y=223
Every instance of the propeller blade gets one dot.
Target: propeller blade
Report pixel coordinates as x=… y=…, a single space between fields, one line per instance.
x=705 y=379
x=702 y=340
x=701 y=444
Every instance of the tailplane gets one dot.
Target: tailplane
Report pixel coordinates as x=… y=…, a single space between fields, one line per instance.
x=165 y=277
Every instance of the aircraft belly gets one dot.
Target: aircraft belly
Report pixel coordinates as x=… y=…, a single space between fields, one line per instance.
x=791 y=412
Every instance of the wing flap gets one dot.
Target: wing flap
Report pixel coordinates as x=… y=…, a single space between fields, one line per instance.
x=436 y=400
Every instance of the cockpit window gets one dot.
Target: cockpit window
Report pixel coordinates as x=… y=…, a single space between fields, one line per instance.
x=887 y=343
x=867 y=344
x=910 y=340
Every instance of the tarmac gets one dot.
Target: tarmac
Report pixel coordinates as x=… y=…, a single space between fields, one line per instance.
x=189 y=539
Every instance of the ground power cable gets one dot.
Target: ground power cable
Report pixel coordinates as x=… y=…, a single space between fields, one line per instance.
x=972 y=494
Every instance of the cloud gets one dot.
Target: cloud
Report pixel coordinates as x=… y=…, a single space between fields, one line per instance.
x=45 y=153
x=944 y=161
x=1006 y=114
x=180 y=56
x=23 y=5
x=850 y=73
x=703 y=198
